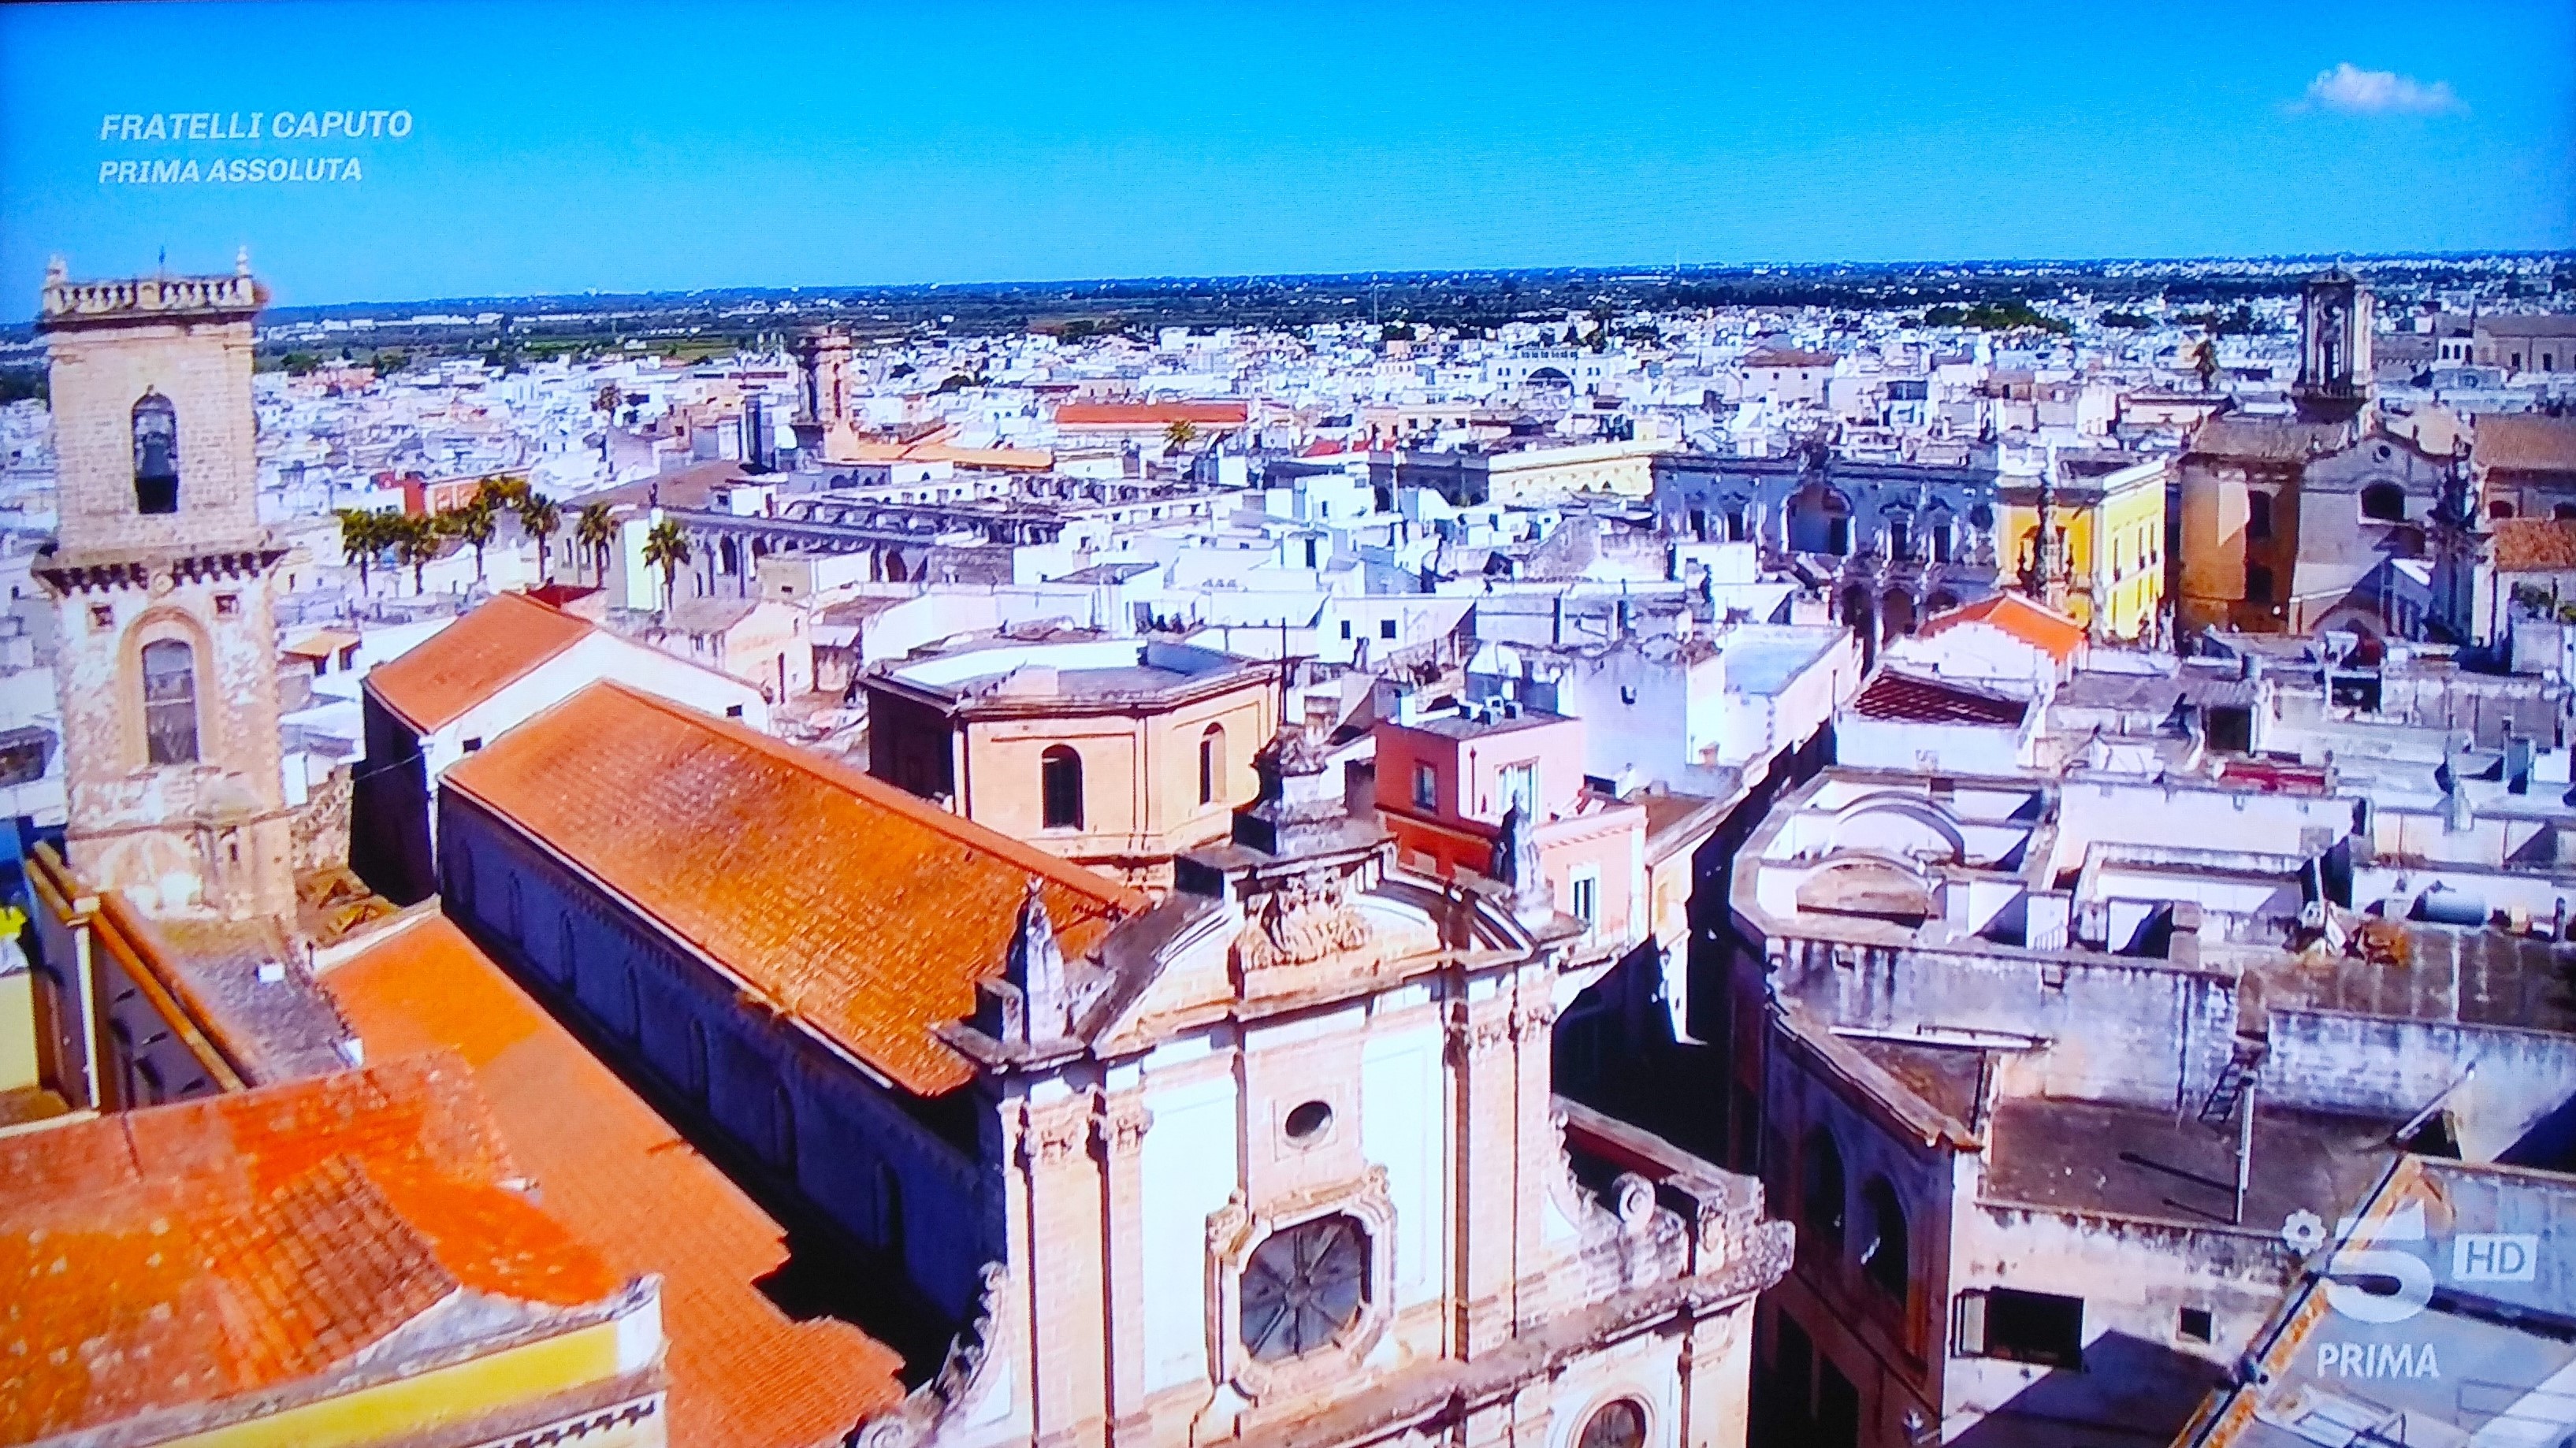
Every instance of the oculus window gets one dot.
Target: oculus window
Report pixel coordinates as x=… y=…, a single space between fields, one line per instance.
x=1303 y=1287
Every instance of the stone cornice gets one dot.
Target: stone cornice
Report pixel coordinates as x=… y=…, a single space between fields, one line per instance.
x=107 y=575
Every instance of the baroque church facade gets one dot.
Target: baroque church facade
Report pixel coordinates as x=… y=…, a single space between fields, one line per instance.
x=2322 y=519
x=1273 y=1160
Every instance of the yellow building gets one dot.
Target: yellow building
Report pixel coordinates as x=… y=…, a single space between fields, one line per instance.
x=2109 y=536
x=337 y=1261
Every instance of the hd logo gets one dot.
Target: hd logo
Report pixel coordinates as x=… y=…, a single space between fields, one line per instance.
x=2368 y=1251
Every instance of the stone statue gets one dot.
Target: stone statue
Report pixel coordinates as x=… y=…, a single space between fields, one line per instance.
x=1516 y=866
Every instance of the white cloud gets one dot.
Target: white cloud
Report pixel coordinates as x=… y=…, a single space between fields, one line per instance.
x=2357 y=92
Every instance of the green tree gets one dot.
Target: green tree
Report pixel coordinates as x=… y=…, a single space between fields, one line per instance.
x=607 y=399
x=299 y=364
x=594 y=532
x=667 y=548
x=475 y=523
x=1181 y=433
x=542 y=518
x=416 y=541
x=364 y=535
x=389 y=363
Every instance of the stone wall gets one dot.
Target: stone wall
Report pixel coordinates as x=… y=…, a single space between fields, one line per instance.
x=2335 y=1061
x=321 y=825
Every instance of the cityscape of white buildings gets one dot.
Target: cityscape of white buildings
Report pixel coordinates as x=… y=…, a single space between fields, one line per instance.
x=1934 y=768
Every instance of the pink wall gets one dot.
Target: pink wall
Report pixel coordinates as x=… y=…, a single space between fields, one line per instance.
x=1555 y=747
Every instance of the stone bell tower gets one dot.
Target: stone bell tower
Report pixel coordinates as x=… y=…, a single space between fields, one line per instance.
x=2334 y=348
x=167 y=657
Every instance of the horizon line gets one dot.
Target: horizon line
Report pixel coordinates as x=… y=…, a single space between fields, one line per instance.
x=1622 y=271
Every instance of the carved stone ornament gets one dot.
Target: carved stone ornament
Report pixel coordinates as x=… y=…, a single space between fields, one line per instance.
x=1303 y=920
x=966 y=1377
x=1237 y=1229
x=1051 y=1133
x=1121 y=1127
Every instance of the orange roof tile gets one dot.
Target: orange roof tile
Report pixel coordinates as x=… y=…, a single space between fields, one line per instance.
x=2535 y=545
x=187 y=1254
x=1149 y=414
x=742 y=1371
x=464 y=663
x=2052 y=633
x=2525 y=442
x=864 y=911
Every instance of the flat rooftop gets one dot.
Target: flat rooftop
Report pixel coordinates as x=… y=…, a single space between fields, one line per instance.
x=2133 y=1161
x=1764 y=658
x=1079 y=669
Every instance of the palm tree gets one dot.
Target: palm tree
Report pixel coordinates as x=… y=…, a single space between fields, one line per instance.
x=667 y=548
x=363 y=535
x=2204 y=360
x=476 y=522
x=416 y=541
x=594 y=531
x=607 y=400
x=542 y=519
x=1181 y=433
x=506 y=490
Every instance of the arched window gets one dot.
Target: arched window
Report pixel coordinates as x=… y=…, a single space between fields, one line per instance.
x=1211 y=763
x=2384 y=503
x=1620 y=1424
x=2499 y=509
x=1060 y=787
x=889 y=1210
x=1303 y=1286
x=1820 y=1195
x=782 y=1130
x=695 y=1067
x=2258 y=515
x=1884 y=1259
x=156 y=455
x=170 y=702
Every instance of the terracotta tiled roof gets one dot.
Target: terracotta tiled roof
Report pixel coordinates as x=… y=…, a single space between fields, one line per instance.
x=187 y=1254
x=1914 y=699
x=2267 y=439
x=2526 y=442
x=2052 y=633
x=2535 y=545
x=864 y=911
x=1153 y=414
x=464 y=663
x=742 y=1371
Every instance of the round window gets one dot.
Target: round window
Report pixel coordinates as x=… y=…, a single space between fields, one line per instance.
x=1307 y=1122
x=1617 y=1425
x=1303 y=1286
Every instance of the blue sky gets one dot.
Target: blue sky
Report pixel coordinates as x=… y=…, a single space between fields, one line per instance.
x=564 y=147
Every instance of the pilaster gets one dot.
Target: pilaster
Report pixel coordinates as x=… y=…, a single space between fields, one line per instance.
x=1119 y=1139
x=1063 y=1193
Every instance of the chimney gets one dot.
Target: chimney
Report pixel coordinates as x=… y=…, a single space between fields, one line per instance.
x=2517 y=763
